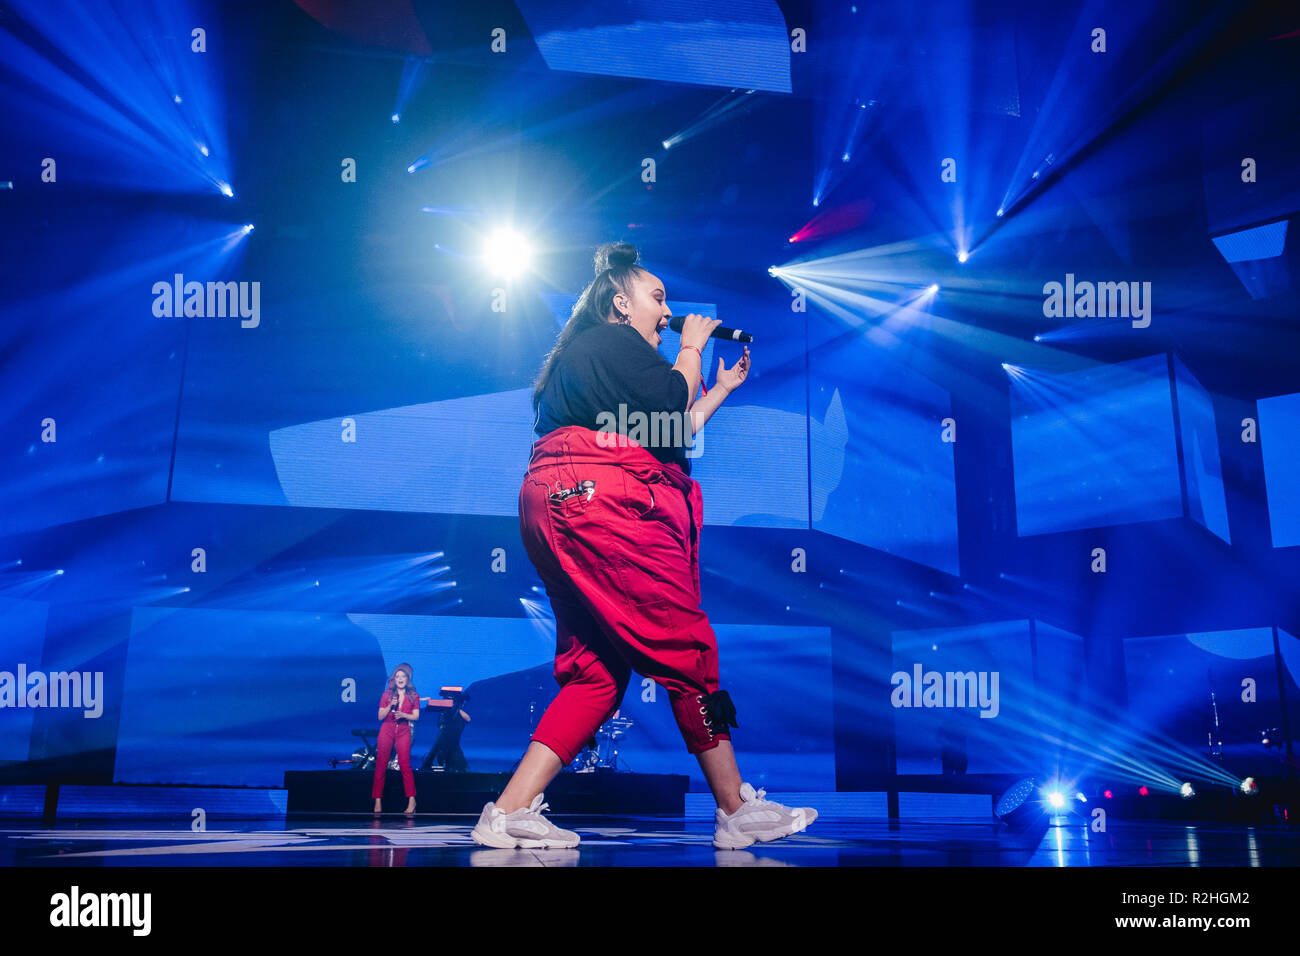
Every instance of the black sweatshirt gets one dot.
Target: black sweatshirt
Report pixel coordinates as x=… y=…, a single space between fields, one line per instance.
x=608 y=365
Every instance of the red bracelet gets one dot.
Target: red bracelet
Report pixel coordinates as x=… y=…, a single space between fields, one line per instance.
x=703 y=387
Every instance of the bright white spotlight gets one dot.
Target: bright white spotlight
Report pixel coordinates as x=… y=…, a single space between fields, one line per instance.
x=248 y=227
x=771 y=270
x=1249 y=787
x=1055 y=799
x=932 y=289
x=1038 y=338
x=397 y=117
x=1001 y=212
x=844 y=158
x=176 y=98
x=226 y=190
x=506 y=253
x=1187 y=791
x=667 y=144
x=962 y=256
x=1081 y=797
x=817 y=200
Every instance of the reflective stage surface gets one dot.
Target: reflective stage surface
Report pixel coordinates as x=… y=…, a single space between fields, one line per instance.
x=438 y=840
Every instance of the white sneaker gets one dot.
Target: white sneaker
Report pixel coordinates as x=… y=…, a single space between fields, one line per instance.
x=757 y=820
x=525 y=827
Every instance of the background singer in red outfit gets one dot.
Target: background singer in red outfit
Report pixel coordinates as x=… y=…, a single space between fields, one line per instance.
x=399 y=707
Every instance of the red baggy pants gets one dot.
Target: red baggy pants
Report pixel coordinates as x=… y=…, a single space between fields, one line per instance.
x=392 y=734
x=621 y=567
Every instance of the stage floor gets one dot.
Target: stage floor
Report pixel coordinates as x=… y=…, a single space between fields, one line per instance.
x=444 y=840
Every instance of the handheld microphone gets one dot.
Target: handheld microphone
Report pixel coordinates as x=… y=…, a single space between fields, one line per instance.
x=721 y=332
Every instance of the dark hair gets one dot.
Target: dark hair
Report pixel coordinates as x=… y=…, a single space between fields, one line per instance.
x=615 y=264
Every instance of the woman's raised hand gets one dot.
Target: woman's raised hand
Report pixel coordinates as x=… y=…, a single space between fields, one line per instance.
x=696 y=330
x=734 y=377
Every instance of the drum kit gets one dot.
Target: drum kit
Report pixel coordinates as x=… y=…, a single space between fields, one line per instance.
x=604 y=756
x=363 y=758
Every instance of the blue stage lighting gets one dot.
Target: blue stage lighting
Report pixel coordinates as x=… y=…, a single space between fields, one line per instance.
x=844 y=158
x=203 y=148
x=667 y=144
x=1248 y=786
x=771 y=270
x=643 y=41
x=1055 y=799
x=1081 y=797
x=397 y=117
x=931 y=290
x=226 y=190
x=176 y=98
x=506 y=253
x=962 y=256
x=1247 y=245
x=248 y=227
x=1001 y=212
x=1187 y=791
x=1015 y=808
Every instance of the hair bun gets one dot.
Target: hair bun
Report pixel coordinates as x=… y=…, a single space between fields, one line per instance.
x=615 y=255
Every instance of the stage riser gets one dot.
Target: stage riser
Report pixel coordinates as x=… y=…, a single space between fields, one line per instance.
x=348 y=791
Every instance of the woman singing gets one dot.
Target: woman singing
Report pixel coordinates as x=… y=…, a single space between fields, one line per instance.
x=612 y=525
x=398 y=709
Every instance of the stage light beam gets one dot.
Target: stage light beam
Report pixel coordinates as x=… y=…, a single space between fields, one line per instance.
x=506 y=253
